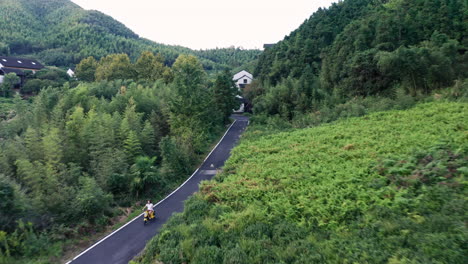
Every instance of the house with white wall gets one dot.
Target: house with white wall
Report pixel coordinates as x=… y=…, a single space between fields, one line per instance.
x=242 y=78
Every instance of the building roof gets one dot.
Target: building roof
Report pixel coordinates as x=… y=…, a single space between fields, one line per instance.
x=10 y=70
x=266 y=46
x=20 y=63
x=243 y=77
x=242 y=74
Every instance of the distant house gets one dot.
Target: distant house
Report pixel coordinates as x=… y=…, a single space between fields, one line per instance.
x=242 y=78
x=71 y=73
x=18 y=66
x=267 y=46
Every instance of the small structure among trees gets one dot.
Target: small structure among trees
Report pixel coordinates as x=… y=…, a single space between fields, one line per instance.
x=242 y=78
x=18 y=66
x=71 y=73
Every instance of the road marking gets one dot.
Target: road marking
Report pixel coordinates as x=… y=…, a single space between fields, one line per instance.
x=137 y=217
x=208 y=172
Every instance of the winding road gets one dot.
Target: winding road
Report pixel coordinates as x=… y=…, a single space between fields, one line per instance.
x=128 y=241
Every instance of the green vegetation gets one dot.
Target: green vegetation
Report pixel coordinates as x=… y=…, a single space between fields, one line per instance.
x=362 y=48
x=389 y=187
x=72 y=156
x=372 y=187
x=47 y=77
x=63 y=34
x=9 y=82
x=6 y=106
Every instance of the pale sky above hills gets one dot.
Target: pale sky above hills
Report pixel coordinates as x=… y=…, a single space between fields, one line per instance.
x=203 y=24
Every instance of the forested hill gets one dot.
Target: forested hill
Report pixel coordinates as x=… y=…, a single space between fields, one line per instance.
x=304 y=45
x=59 y=32
x=350 y=45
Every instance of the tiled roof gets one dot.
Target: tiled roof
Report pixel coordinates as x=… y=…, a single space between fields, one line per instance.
x=20 y=63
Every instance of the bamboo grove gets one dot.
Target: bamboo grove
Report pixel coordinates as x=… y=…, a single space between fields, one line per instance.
x=74 y=155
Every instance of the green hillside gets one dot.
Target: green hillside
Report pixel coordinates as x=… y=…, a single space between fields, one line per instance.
x=60 y=33
x=363 y=48
x=386 y=188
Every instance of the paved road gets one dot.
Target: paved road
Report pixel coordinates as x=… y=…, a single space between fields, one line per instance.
x=124 y=244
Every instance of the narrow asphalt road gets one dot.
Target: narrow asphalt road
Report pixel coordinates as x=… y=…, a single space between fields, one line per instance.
x=125 y=243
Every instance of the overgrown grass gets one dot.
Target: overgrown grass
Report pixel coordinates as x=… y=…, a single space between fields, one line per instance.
x=389 y=187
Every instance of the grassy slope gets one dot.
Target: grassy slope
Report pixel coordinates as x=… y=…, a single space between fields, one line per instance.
x=315 y=195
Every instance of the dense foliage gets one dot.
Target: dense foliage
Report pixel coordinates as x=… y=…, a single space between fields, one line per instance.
x=363 y=48
x=73 y=155
x=386 y=188
x=9 y=82
x=63 y=34
x=6 y=105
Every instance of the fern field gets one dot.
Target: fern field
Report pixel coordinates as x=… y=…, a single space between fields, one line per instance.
x=389 y=187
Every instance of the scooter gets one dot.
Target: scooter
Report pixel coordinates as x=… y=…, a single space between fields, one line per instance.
x=148 y=216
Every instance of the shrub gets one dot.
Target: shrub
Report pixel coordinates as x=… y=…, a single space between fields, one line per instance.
x=208 y=255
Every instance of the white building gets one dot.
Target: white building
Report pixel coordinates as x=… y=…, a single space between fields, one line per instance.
x=242 y=78
x=71 y=73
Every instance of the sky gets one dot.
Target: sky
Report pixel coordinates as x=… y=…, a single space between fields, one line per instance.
x=206 y=24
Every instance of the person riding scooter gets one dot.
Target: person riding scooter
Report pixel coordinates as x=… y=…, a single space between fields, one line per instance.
x=149 y=214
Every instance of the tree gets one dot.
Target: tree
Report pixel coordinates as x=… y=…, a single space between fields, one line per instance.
x=145 y=175
x=175 y=159
x=148 y=139
x=33 y=142
x=9 y=82
x=91 y=200
x=115 y=67
x=188 y=75
x=132 y=147
x=149 y=67
x=76 y=150
x=4 y=49
x=12 y=203
x=52 y=146
x=132 y=116
x=35 y=85
x=225 y=92
x=168 y=75
x=191 y=110
x=422 y=68
x=86 y=69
